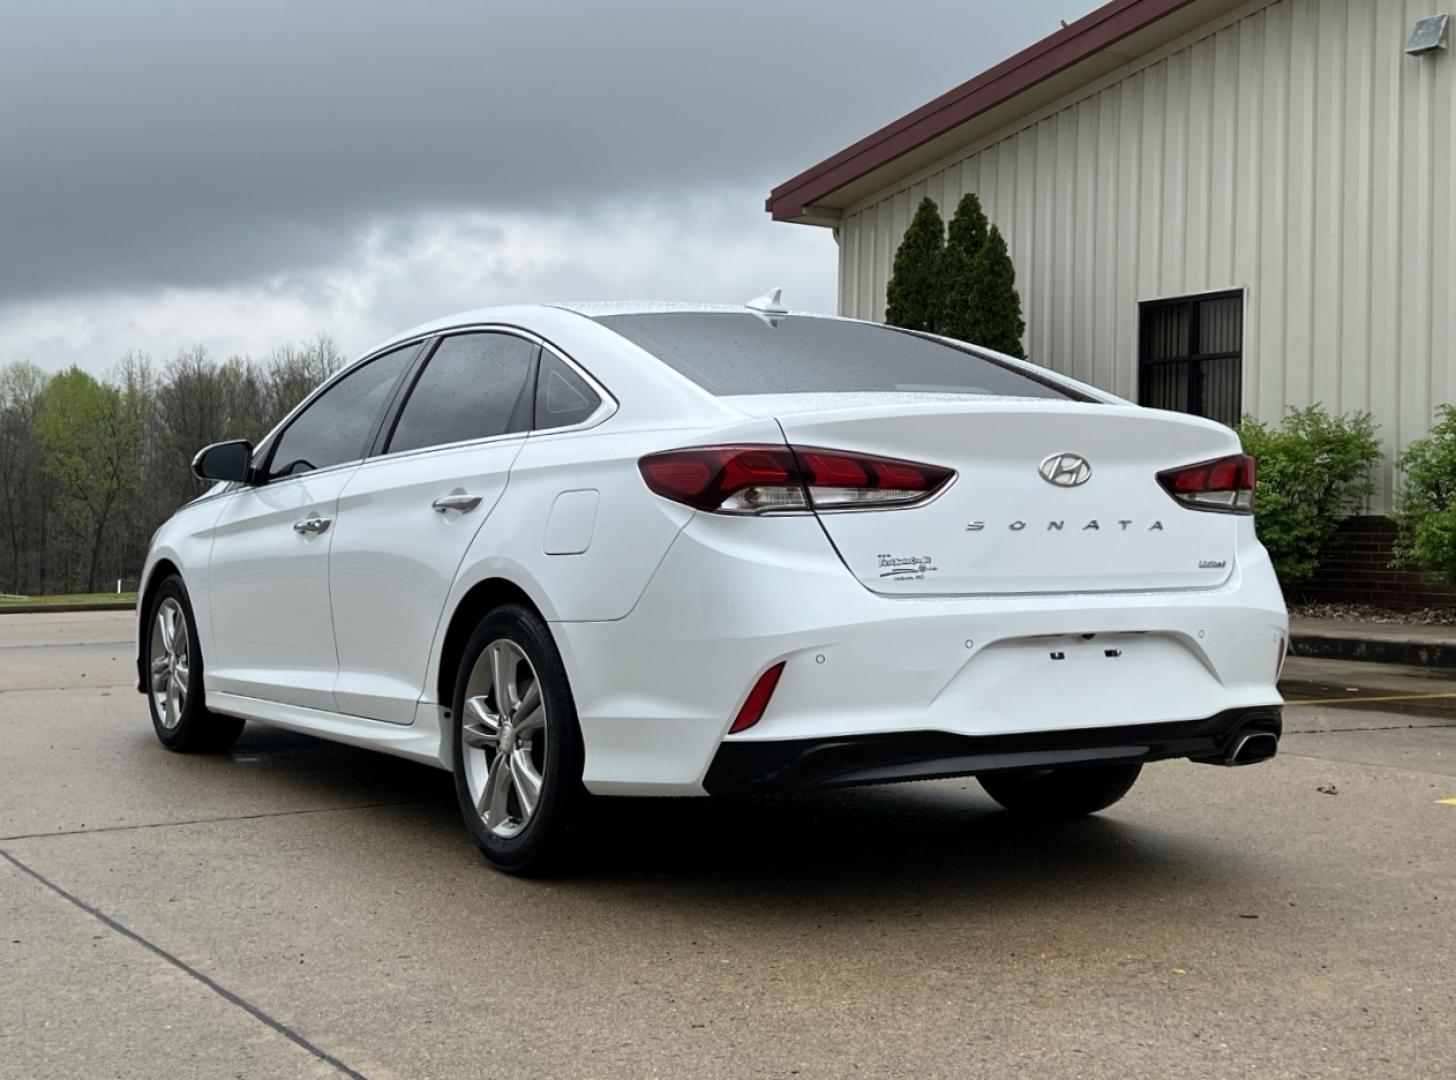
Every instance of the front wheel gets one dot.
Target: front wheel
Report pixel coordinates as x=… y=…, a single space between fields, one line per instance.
x=172 y=661
x=518 y=750
x=1061 y=793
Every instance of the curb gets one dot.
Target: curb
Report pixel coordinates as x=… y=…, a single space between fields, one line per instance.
x=37 y=609
x=1373 y=650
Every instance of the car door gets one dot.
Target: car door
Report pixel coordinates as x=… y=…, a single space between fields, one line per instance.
x=406 y=517
x=272 y=625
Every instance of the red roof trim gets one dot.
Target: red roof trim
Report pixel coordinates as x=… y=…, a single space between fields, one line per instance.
x=1068 y=46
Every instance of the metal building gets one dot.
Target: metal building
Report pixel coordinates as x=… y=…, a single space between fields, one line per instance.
x=1219 y=206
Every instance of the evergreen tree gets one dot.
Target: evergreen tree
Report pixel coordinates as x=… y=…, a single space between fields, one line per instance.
x=956 y=305
x=996 y=309
x=911 y=299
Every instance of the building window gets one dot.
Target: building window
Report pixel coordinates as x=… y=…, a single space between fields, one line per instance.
x=1191 y=357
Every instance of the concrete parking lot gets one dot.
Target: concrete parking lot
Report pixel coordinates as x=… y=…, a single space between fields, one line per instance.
x=305 y=909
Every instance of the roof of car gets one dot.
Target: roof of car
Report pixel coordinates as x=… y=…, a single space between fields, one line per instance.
x=593 y=309
x=541 y=317
x=599 y=309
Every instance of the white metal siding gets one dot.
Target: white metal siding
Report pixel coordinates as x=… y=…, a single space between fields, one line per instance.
x=1293 y=151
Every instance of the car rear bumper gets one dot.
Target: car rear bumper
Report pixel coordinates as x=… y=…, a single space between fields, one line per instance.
x=800 y=764
x=657 y=690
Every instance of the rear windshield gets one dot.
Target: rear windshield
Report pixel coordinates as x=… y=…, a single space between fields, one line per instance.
x=727 y=353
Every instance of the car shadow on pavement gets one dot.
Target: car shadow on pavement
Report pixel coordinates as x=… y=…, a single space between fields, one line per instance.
x=860 y=844
x=855 y=845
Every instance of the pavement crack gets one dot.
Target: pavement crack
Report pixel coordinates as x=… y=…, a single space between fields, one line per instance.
x=97 y=686
x=187 y=969
x=70 y=645
x=211 y=820
x=1357 y=728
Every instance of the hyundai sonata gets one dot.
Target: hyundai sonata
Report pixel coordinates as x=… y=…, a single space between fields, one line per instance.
x=671 y=550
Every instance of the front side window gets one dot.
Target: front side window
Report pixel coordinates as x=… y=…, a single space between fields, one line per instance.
x=337 y=425
x=473 y=387
x=728 y=353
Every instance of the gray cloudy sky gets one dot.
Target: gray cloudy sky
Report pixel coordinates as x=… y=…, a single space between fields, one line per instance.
x=250 y=173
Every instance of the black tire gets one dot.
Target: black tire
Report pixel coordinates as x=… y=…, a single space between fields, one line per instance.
x=191 y=728
x=541 y=834
x=1061 y=793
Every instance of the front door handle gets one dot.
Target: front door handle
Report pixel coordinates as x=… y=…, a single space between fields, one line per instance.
x=463 y=503
x=312 y=525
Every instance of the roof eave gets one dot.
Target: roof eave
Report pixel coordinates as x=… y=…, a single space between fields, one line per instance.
x=1078 y=53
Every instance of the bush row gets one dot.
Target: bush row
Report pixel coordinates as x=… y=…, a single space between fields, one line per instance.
x=1315 y=470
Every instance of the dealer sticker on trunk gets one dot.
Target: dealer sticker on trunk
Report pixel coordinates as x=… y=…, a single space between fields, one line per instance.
x=906 y=567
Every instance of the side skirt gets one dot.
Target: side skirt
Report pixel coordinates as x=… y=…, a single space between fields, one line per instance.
x=421 y=741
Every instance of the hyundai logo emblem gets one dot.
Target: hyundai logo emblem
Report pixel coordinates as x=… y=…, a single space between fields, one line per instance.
x=1066 y=470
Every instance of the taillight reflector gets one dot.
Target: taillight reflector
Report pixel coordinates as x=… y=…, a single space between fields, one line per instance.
x=757 y=701
x=779 y=479
x=1225 y=484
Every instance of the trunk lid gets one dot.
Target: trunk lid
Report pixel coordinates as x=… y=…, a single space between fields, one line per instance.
x=1098 y=521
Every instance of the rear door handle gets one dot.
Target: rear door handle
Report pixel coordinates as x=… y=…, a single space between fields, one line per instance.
x=463 y=503
x=312 y=525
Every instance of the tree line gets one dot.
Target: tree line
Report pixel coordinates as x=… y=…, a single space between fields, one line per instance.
x=90 y=467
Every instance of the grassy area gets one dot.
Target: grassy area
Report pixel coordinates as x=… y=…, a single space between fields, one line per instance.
x=69 y=598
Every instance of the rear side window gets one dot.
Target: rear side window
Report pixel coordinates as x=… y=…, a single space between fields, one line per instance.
x=563 y=397
x=338 y=424
x=728 y=353
x=473 y=387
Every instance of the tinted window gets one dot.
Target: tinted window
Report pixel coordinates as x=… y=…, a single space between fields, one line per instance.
x=338 y=424
x=474 y=386
x=563 y=397
x=728 y=353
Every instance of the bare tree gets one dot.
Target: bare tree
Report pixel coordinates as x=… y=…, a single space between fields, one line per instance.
x=293 y=372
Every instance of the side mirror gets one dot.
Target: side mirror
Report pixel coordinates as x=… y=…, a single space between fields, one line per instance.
x=224 y=461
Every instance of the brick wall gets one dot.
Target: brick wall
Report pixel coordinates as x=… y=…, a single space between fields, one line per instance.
x=1358 y=571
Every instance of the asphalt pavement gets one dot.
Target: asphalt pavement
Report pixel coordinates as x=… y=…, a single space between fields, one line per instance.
x=304 y=909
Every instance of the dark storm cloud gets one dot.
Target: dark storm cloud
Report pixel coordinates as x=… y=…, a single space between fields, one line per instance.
x=146 y=144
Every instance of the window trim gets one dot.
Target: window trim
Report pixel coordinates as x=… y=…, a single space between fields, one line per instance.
x=606 y=408
x=269 y=446
x=379 y=448
x=592 y=418
x=1194 y=359
x=424 y=344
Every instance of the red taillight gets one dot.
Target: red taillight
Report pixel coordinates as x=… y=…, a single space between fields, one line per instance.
x=1226 y=484
x=769 y=479
x=758 y=697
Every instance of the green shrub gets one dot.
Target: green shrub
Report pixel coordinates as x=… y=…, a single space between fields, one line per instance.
x=1314 y=471
x=1425 y=509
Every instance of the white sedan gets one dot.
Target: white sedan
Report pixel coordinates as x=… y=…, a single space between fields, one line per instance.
x=683 y=550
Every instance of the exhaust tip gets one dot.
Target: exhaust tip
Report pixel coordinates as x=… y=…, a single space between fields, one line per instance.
x=1253 y=747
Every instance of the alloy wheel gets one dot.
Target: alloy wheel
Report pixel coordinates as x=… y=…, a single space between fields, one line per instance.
x=171 y=662
x=503 y=738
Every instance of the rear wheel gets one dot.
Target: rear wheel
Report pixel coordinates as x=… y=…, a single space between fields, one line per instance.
x=518 y=750
x=1061 y=793
x=172 y=662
